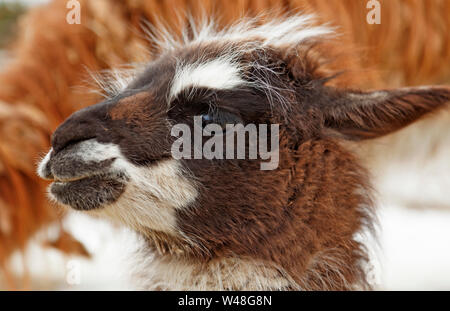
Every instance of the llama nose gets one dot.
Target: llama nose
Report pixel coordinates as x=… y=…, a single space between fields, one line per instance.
x=71 y=133
x=80 y=126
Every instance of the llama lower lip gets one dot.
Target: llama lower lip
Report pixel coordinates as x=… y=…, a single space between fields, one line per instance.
x=89 y=193
x=68 y=180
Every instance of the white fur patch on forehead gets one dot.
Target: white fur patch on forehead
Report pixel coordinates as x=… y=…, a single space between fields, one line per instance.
x=280 y=32
x=221 y=73
x=284 y=31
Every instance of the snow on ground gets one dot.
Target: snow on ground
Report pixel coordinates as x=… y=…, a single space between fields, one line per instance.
x=415 y=248
x=111 y=248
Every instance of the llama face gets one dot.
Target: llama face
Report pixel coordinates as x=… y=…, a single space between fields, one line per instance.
x=115 y=159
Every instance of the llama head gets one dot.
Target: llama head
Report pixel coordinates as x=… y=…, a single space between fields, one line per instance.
x=115 y=158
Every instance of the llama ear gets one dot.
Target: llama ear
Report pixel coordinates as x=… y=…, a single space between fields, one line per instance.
x=363 y=115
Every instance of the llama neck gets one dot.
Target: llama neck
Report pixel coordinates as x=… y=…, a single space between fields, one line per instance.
x=312 y=247
x=331 y=204
x=174 y=273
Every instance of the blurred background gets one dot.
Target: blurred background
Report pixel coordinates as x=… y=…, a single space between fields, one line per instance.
x=9 y=13
x=413 y=251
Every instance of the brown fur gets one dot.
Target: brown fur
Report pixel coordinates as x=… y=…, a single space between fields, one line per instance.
x=310 y=205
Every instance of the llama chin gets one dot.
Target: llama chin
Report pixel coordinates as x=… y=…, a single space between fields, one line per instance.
x=293 y=227
x=95 y=177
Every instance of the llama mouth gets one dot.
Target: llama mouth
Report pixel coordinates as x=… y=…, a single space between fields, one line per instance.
x=88 y=192
x=68 y=180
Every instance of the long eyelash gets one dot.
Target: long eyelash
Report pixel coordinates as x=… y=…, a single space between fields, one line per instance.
x=213 y=109
x=205 y=99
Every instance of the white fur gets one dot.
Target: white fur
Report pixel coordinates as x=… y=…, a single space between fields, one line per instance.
x=278 y=32
x=43 y=163
x=220 y=73
x=93 y=151
x=151 y=196
x=170 y=273
x=369 y=98
x=155 y=272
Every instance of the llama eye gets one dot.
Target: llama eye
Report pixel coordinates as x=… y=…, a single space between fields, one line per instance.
x=221 y=118
x=207 y=119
